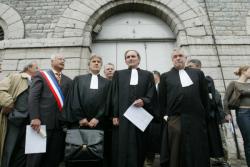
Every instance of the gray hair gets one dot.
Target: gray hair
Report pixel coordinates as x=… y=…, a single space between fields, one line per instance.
x=54 y=56
x=111 y=64
x=94 y=55
x=28 y=65
x=178 y=50
x=197 y=62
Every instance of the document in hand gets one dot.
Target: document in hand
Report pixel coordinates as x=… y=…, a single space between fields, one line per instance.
x=35 y=142
x=138 y=116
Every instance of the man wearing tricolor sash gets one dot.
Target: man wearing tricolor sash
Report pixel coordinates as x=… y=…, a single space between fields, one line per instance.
x=46 y=99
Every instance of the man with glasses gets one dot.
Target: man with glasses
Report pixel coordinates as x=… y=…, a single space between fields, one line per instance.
x=47 y=93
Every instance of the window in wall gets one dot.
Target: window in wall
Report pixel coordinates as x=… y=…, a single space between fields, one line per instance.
x=1 y=34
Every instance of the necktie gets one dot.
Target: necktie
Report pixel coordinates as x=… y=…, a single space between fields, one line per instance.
x=58 y=77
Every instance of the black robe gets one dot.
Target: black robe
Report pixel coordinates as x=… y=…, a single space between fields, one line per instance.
x=190 y=103
x=83 y=102
x=128 y=140
x=215 y=118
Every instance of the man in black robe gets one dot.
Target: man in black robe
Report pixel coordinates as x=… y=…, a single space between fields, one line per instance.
x=216 y=117
x=183 y=98
x=108 y=71
x=130 y=86
x=85 y=103
x=154 y=129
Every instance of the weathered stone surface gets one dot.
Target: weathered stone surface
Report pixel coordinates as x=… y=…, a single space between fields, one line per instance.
x=52 y=26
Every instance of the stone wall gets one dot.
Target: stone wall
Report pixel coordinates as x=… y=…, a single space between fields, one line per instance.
x=35 y=29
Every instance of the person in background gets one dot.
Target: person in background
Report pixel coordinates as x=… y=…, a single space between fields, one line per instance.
x=215 y=119
x=154 y=129
x=109 y=70
x=242 y=107
x=14 y=90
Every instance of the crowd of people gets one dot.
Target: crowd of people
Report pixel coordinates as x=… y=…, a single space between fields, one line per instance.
x=85 y=120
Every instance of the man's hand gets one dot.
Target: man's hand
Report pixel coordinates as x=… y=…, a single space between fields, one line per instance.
x=228 y=118
x=8 y=109
x=115 y=121
x=138 y=103
x=93 y=122
x=83 y=122
x=36 y=124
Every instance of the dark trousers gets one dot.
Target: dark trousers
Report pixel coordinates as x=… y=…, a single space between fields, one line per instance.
x=243 y=120
x=108 y=147
x=13 y=154
x=54 y=151
x=174 y=138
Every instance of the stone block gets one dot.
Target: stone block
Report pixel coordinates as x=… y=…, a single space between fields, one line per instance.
x=200 y=40
x=72 y=52
x=188 y=15
x=85 y=53
x=229 y=73
x=84 y=64
x=90 y=3
x=70 y=13
x=215 y=73
x=72 y=63
x=192 y=22
x=181 y=8
x=10 y=12
x=9 y=65
x=40 y=53
x=16 y=34
x=15 y=54
x=73 y=32
x=81 y=7
x=196 y=31
x=102 y=2
x=70 y=23
x=3 y=8
x=16 y=26
x=31 y=26
x=174 y=3
x=12 y=19
x=201 y=50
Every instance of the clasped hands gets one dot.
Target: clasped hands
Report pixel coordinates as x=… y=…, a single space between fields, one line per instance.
x=92 y=123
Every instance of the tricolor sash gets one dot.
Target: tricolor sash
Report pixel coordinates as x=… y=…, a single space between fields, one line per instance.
x=54 y=87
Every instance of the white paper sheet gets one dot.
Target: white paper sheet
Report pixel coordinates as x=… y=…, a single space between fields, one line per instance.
x=231 y=127
x=165 y=118
x=138 y=116
x=94 y=82
x=134 y=77
x=34 y=142
x=185 y=79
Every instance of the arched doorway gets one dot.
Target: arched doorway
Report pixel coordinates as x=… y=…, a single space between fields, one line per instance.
x=135 y=30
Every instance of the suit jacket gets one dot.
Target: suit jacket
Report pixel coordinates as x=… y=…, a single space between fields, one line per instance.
x=42 y=104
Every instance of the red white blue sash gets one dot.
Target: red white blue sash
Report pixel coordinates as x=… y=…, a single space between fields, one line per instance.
x=54 y=87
